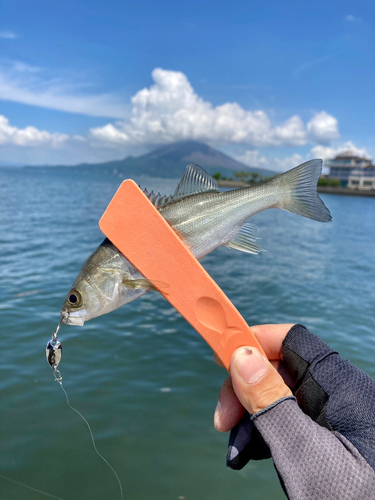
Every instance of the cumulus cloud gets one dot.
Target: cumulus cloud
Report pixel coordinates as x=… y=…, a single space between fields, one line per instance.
x=283 y=164
x=319 y=151
x=170 y=110
x=326 y=152
x=253 y=158
x=111 y=135
x=28 y=136
x=323 y=128
x=167 y=111
x=291 y=133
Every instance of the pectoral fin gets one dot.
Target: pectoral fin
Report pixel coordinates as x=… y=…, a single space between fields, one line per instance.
x=245 y=238
x=144 y=284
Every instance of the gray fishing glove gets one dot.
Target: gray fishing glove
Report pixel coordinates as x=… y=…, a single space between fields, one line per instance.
x=332 y=393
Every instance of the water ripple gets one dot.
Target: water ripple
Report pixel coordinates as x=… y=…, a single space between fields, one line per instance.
x=141 y=375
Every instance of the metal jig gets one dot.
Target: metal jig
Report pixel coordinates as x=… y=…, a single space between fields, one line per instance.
x=53 y=353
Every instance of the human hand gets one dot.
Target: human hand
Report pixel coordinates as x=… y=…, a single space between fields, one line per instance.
x=333 y=401
x=255 y=382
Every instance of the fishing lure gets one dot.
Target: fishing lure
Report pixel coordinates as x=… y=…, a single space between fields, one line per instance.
x=54 y=352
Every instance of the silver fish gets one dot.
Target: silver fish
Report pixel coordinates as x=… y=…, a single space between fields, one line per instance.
x=204 y=219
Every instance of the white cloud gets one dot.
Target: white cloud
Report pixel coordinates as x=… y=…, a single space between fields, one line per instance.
x=167 y=111
x=291 y=133
x=323 y=128
x=28 y=136
x=253 y=158
x=325 y=152
x=319 y=151
x=283 y=164
x=352 y=18
x=20 y=82
x=170 y=110
x=8 y=35
x=312 y=63
x=21 y=67
x=109 y=135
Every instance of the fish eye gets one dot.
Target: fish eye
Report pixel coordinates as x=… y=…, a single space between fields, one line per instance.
x=74 y=298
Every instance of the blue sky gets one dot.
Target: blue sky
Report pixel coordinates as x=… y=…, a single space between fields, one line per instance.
x=272 y=83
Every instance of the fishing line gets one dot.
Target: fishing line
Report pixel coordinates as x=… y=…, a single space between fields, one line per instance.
x=30 y=488
x=53 y=353
x=59 y=380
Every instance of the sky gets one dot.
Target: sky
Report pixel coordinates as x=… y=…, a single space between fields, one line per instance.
x=271 y=83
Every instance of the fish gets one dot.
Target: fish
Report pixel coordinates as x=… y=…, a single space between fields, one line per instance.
x=205 y=219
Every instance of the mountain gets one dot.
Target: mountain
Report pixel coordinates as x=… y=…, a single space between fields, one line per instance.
x=170 y=162
x=197 y=152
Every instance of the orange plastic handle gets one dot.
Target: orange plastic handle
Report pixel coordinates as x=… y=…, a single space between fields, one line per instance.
x=138 y=230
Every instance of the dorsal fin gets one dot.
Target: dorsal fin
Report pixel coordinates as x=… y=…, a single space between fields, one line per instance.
x=157 y=199
x=195 y=180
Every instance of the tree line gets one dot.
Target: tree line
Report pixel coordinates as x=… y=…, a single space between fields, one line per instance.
x=255 y=177
x=243 y=176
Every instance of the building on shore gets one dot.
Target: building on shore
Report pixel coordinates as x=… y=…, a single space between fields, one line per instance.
x=359 y=179
x=353 y=171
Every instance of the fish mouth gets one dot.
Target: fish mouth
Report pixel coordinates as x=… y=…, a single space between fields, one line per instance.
x=73 y=318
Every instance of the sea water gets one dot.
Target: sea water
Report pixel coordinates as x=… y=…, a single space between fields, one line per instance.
x=141 y=375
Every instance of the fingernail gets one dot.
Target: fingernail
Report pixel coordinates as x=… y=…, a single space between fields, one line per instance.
x=218 y=412
x=250 y=364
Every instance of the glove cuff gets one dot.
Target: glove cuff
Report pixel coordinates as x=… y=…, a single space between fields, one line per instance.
x=272 y=405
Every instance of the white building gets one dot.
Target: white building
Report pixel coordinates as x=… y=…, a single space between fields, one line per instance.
x=352 y=170
x=358 y=179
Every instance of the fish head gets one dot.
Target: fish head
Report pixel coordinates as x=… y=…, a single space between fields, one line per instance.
x=92 y=294
x=106 y=281
x=80 y=304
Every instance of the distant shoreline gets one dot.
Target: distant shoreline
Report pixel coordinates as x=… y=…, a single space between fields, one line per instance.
x=238 y=184
x=346 y=191
x=321 y=189
x=368 y=193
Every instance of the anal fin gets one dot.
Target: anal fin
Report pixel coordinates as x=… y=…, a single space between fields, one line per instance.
x=245 y=239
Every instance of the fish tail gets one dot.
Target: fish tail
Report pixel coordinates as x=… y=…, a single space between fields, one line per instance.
x=298 y=191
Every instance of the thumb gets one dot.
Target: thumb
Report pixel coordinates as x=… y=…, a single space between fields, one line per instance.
x=255 y=381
